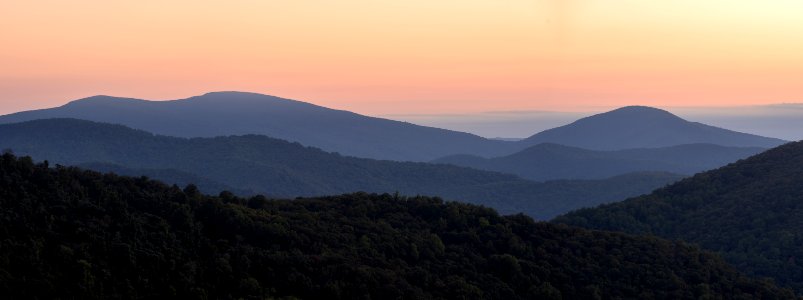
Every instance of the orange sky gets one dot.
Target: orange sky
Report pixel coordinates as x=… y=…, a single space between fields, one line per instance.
x=395 y=57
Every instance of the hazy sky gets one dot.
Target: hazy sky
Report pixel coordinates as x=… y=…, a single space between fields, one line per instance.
x=408 y=57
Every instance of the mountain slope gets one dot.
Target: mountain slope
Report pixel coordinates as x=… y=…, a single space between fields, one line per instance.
x=279 y=168
x=69 y=233
x=552 y=161
x=236 y=113
x=751 y=212
x=643 y=127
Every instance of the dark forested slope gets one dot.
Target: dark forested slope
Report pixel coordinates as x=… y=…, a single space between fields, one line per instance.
x=170 y=176
x=68 y=233
x=750 y=211
x=279 y=168
x=553 y=161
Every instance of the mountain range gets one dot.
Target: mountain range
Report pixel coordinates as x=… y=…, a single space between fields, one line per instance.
x=82 y=234
x=258 y=164
x=552 y=161
x=351 y=134
x=751 y=212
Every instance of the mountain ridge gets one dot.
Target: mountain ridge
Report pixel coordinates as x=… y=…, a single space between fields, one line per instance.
x=549 y=161
x=281 y=168
x=239 y=113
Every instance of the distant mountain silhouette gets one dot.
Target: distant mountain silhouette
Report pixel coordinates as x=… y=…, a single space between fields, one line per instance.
x=552 y=161
x=643 y=127
x=279 y=168
x=750 y=211
x=237 y=113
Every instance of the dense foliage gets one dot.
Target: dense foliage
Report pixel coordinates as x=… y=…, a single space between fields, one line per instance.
x=283 y=169
x=553 y=161
x=751 y=212
x=68 y=233
x=170 y=176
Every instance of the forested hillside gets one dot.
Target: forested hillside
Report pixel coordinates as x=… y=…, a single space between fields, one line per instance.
x=751 y=212
x=169 y=176
x=275 y=167
x=68 y=233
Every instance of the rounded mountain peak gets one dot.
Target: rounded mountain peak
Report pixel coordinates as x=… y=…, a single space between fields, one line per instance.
x=232 y=94
x=639 y=110
x=631 y=115
x=100 y=100
x=230 y=97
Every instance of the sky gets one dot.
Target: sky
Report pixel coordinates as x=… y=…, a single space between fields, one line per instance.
x=413 y=57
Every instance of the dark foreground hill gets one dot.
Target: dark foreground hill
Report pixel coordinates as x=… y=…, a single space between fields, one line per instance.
x=552 y=161
x=68 y=233
x=751 y=212
x=643 y=127
x=258 y=164
x=237 y=113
